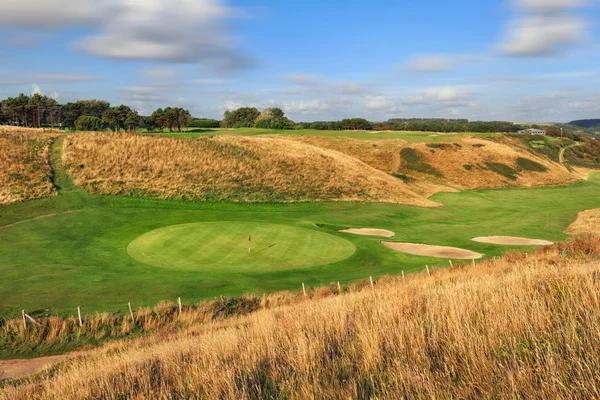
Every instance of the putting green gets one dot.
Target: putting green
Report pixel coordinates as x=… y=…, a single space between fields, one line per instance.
x=224 y=246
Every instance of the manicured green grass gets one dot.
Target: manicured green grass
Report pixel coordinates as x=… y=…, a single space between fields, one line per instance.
x=77 y=254
x=219 y=246
x=410 y=137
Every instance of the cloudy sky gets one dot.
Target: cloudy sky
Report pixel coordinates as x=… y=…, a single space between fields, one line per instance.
x=519 y=60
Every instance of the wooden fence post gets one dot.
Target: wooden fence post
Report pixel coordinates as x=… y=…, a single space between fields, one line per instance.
x=428 y=272
x=24 y=320
x=179 y=303
x=32 y=320
x=371 y=279
x=79 y=315
x=131 y=312
x=303 y=289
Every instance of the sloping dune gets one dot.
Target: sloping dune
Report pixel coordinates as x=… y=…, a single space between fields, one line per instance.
x=228 y=168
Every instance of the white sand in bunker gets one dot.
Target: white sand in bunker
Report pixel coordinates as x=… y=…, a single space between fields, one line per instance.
x=433 y=251
x=512 y=241
x=369 y=232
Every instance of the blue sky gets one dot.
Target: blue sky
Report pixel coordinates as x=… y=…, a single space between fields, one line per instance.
x=519 y=60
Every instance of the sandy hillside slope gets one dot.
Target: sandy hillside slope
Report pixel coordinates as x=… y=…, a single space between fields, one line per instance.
x=228 y=168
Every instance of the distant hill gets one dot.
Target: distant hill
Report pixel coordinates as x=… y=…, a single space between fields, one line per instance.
x=587 y=123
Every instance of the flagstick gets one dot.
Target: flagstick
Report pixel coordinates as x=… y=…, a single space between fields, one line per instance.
x=249 y=244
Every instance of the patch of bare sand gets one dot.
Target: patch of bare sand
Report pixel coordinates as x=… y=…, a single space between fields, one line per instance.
x=433 y=251
x=369 y=232
x=587 y=222
x=16 y=369
x=512 y=241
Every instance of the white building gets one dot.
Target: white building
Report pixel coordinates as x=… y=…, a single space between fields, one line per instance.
x=532 y=131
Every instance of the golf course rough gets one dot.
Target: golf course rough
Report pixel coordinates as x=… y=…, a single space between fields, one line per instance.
x=210 y=246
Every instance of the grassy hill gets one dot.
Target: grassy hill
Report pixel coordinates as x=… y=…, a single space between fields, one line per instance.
x=227 y=168
x=522 y=326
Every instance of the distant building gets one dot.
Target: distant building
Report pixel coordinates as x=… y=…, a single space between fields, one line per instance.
x=534 y=131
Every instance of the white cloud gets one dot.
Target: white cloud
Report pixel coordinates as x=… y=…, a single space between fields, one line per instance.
x=316 y=84
x=382 y=104
x=44 y=14
x=542 y=27
x=306 y=107
x=51 y=77
x=158 y=73
x=549 y=5
x=430 y=63
x=173 y=31
x=450 y=96
x=35 y=89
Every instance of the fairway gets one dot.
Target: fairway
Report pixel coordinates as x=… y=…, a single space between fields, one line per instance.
x=224 y=246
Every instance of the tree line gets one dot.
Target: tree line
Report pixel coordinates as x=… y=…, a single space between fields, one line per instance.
x=95 y=115
x=38 y=111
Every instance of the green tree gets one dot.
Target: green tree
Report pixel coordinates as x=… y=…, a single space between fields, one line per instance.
x=88 y=123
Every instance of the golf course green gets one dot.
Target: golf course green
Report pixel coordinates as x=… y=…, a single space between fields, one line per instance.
x=101 y=252
x=224 y=245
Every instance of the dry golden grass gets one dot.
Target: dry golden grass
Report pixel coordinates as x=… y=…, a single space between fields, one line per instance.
x=525 y=326
x=24 y=170
x=587 y=222
x=474 y=153
x=34 y=131
x=227 y=168
x=383 y=155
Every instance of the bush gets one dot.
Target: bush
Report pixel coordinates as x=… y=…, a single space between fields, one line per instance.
x=403 y=177
x=412 y=160
x=525 y=164
x=88 y=123
x=502 y=169
x=204 y=123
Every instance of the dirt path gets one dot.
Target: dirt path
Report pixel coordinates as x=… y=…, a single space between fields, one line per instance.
x=561 y=154
x=21 y=368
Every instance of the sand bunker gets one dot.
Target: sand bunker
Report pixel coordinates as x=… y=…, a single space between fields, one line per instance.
x=587 y=222
x=512 y=241
x=369 y=232
x=433 y=251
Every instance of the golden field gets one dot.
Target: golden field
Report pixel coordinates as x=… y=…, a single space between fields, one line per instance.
x=523 y=326
x=24 y=172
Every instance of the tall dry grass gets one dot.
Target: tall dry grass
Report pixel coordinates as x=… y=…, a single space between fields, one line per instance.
x=227 y=168
x=463 y=165
x=24 y=170
x=587 y=221
x=31 y=131
x=525 y=326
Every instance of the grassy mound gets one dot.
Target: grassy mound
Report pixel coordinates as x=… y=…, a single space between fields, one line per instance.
x=227 y=168
x=219 y=246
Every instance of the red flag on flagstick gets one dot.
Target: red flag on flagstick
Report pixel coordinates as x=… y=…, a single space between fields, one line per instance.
x=249 y=238
x=249 y=241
